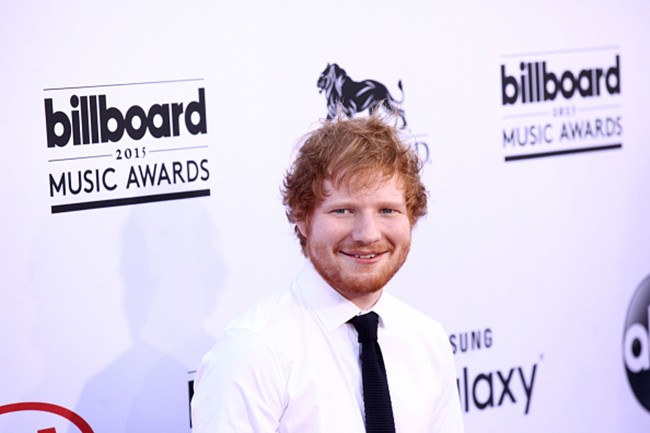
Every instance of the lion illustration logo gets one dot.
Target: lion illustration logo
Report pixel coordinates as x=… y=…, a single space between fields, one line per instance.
x=356 y=96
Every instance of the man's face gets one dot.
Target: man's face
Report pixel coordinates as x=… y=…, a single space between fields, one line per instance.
x=358 y=238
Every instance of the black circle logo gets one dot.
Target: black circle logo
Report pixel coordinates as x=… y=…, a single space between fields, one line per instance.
x=636 y=343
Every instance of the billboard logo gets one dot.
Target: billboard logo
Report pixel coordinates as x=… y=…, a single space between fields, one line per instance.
x=538 y=84
x=90 y=120
x=123 y=144
x=636 y=343
x=561 y=102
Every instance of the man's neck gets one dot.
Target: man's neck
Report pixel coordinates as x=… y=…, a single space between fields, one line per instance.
x=364 y=301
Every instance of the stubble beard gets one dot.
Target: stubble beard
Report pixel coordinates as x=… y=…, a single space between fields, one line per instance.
x=357 y=280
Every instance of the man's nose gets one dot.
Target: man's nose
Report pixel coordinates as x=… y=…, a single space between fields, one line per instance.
x=366 y=229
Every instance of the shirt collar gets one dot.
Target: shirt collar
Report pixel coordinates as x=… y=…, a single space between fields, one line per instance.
x=384 y=307
x=332 y=309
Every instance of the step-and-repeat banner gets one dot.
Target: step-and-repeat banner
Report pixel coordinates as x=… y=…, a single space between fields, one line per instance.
x=143 y=146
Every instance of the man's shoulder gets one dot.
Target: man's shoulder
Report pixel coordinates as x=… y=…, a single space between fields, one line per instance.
x=257 y=334
x=275 y=312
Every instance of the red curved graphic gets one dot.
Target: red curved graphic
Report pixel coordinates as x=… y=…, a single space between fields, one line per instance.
x=75 y=419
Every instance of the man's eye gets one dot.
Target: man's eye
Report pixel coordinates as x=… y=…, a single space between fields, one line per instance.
x=388 y=211
x=341 y=211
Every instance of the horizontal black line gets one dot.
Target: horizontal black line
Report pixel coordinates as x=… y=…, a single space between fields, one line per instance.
x=563 y=152
x=141 y=83
x=568 y=51
x=79 y=157
x=178 y=148
x=73 y=207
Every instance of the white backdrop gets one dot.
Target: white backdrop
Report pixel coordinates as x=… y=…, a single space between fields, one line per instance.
x=530 y=264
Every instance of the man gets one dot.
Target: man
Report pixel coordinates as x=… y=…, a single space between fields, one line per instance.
x=296 y=362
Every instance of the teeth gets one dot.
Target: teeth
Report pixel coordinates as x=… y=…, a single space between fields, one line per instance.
x=369 y=256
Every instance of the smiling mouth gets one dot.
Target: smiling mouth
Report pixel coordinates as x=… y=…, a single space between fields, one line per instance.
x=362 y=256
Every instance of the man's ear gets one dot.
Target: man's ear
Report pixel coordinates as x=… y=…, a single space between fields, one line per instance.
x=302 y=227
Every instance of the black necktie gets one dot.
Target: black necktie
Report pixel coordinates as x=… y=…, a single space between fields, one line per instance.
x=376 y=398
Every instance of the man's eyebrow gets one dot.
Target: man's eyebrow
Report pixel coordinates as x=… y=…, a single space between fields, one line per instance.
x=392 y=203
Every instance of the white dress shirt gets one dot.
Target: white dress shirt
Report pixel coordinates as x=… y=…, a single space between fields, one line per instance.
x=291 y=365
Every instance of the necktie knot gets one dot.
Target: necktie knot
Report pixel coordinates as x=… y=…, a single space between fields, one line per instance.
x=366 y=326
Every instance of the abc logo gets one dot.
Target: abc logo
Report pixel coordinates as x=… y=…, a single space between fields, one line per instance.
x=636 y=343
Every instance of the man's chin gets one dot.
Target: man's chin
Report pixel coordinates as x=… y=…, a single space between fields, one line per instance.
x=364 y=285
